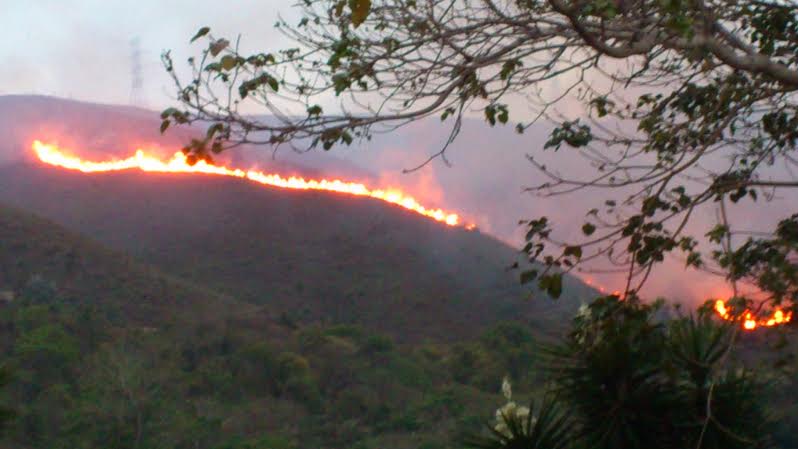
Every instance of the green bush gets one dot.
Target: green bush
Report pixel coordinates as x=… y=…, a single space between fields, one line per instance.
x=377 y=344
x=39 y=290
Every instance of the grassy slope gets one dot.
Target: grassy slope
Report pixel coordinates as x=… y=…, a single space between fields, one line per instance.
x=311 y=255
x=85 y=271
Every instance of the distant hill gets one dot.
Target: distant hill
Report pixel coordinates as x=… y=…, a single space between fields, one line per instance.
x=307 y=255
x=101 y=131
x=311 y=256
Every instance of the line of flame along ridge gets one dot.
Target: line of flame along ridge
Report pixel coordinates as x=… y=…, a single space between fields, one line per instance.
x=53 y=155
x=749 y=322
x=747 y=319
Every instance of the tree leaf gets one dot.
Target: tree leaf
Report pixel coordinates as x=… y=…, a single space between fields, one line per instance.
x=216 y=47
x=575 y=251
x=552 y=284
x=202 y=32
x=273 y=83
x=528 y=276
x=360 y=11
x=228 y=62
x=339 y=8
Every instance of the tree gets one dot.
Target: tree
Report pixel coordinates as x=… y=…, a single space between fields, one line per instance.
x=7 y=414
x=623 y=379
x=686 y=104
x=121 y=398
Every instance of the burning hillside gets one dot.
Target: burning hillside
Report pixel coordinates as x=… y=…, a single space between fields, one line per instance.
x=749 y=320
x=53 y=155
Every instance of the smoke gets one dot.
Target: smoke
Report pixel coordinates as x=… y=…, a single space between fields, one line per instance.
x=484 y=182
x=489 y=169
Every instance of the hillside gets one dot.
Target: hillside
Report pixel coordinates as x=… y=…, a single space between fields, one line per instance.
x=39 y=256
x=194 y=311
x=107 y=352
x=310 y=256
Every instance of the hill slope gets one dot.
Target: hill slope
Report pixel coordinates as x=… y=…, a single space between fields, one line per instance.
x=309 y=255
x=36 y=254
x=106 y=352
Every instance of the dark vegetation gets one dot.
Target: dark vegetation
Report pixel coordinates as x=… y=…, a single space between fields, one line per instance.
x=307 y=255
x=100 y=359
x=625 y=378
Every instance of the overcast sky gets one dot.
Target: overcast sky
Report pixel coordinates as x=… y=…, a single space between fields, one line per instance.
x=82 y=48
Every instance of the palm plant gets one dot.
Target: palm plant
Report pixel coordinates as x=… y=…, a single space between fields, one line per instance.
x=722 y=407
x=608 y=369
x=548 y=427
x=624 y=379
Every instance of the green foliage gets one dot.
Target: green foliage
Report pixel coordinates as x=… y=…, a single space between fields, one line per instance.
x=87 y=375
x=610 y=370
x=7 y=412
x=633 y=382
x=377 y=344
x=623 y=378
x=574 y=134
x=48 y=346
x=39 y=290
x=514 y=345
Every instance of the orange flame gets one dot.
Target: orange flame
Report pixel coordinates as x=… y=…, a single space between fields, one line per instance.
x=590 y=283
x=53 y=155
x=601 y=288
x=749 y=322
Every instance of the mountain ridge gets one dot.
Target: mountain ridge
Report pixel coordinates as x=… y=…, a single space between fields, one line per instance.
x=311 y=255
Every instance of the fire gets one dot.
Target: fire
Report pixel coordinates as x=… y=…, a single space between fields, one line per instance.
x=749 y=322
x=601 y=288
x=53 y=155
x=590 y=283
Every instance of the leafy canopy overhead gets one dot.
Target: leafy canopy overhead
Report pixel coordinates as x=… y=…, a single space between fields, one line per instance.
x=686 y=103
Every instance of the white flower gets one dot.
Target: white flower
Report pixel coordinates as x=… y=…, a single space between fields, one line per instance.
x=584 y=311
x=511 y=411
x=507 y=389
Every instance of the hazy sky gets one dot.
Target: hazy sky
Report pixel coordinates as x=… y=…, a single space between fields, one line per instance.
x=82 y=48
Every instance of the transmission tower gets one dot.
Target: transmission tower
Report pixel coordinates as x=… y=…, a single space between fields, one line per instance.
x=137 y=80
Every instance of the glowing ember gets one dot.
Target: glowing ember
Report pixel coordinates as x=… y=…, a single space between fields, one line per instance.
x=749 y=322
x=51 y=154
x=590 y=283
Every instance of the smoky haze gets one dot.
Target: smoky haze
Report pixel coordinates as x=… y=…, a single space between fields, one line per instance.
x=82 y=50
x=484 y=182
